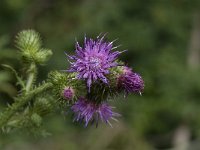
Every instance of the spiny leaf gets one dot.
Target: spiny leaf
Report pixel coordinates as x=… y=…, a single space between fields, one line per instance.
x=20 y=81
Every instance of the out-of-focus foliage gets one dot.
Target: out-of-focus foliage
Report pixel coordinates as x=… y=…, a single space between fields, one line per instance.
x=157 y=35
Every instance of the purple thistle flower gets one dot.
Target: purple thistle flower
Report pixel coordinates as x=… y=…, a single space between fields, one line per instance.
x=68 y=93
x=88 y=111
x=93 y=60
x=130 y=81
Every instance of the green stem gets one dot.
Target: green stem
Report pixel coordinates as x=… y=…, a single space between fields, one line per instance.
x=31 y=76
x=20 y=102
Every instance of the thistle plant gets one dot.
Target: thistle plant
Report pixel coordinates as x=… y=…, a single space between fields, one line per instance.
x=95 y=76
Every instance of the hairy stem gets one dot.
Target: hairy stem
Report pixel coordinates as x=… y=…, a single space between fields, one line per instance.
x=31 y=76
x=20 y=102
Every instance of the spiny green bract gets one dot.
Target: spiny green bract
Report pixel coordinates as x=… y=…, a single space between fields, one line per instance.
x=62 y=80
x=102 y=92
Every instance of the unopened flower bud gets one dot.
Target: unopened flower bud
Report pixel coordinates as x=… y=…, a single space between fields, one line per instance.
x=68 y=93
x=130 y=81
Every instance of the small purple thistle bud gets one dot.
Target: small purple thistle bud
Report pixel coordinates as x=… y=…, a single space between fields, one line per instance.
x=130 y=81
x=87 y=111
x=68 y=93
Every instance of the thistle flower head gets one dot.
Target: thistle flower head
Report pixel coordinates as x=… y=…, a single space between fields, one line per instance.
x=87 y=111
x=130 y=81
x=93 y=60
x=68 y=93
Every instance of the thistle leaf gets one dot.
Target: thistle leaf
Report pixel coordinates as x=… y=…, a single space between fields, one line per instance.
x=19 y=79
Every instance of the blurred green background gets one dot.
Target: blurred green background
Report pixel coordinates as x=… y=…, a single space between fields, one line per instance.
x=163 y=42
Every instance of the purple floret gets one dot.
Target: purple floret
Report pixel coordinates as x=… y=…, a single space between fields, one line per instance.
x=130 y=81
x=68 y=93
x=87 y=111
x=93 y=60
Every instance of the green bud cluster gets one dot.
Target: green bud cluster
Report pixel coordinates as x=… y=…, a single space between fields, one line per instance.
x=30 y=45
x=34 y=101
